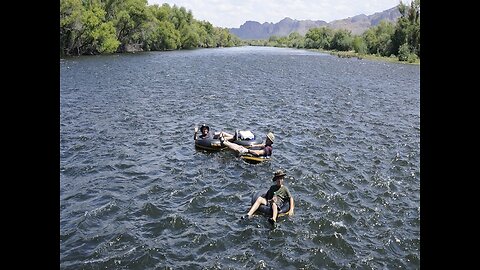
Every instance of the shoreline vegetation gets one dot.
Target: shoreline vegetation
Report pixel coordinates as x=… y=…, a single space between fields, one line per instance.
x=104 y=27
x=353 y=54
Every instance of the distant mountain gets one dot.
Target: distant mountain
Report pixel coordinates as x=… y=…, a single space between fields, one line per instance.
x=255 y=30
x=357 y=24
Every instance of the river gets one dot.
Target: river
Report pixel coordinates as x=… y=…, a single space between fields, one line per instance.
x=136 y=194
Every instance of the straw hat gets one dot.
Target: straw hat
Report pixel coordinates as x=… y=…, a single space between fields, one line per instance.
x=271 y=137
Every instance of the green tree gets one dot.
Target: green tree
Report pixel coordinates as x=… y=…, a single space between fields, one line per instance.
x=384 y=32
x=207 y=34
x=359 y=45
x=319 y=38
x=70 y=25
x=222 y=37
x=295 y=40
x=225 y=39
x=104 y=40
x=403 y=52
x=164 y=36
x=342 y=40
x=407 y=29
x=105 y=26
x=83 y=29
x=378 y=39
x=414 y=29
x=189 y=37
x=130 y=21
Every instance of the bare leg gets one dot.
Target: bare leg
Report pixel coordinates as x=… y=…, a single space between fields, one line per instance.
x=256 y=205
x=275 y=212
x=240 y=149
x=226 y=136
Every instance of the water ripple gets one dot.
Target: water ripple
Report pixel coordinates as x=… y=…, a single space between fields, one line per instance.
x=136 y=194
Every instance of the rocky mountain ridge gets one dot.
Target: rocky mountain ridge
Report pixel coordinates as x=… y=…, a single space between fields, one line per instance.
x=357 y=25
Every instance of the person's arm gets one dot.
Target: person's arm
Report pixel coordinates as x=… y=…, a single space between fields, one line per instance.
x=195 y=130
x=292 y=206
x=265 y=151
x=256 y=152
x=258 y=145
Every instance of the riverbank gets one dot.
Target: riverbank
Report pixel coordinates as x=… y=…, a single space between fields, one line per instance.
x=350 y=54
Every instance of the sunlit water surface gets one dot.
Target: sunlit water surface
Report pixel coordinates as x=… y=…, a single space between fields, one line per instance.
x=136 y=194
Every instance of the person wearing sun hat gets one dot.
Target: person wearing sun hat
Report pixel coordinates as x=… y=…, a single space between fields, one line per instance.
x=275 y=198
x=205 y=133
x=264 y=149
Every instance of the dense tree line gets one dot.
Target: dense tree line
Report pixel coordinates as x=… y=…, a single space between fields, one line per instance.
x=108 y=26
x=400 y=39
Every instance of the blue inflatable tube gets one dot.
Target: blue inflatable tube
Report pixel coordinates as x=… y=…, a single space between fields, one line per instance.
x=267 y=210
x=215 y=144
x=209 y=144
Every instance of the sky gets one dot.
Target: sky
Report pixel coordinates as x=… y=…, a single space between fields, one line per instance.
x=233 y=13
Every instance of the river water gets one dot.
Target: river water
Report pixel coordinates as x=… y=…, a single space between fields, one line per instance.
x=136 y=194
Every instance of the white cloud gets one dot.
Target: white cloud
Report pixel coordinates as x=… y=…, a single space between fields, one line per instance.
x=233 y=13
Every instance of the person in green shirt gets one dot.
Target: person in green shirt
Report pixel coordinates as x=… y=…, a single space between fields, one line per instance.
x=275 y=198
